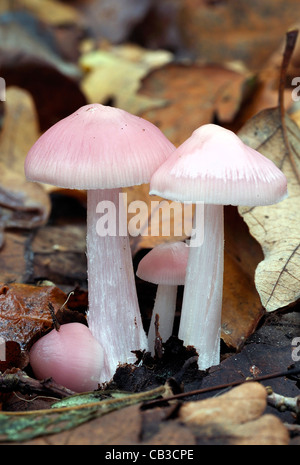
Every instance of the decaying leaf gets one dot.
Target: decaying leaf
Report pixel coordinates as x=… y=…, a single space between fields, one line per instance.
x=25 y=426
x=24 y=313
x=276 y=227
x=227 y=31
x=199 y=92
x=26 y=204
x=241 y=308
x=115 y=74
x=236 y=418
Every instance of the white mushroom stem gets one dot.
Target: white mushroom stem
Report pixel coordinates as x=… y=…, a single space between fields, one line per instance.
x=200 y=322
x=114 y=315
x=164 y=307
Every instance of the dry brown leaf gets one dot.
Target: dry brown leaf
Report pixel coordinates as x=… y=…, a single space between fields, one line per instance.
x=241 y=307
x=265 y=431
x=276 y=227
x=243 y=403
x=199 y=92
x=117 y=428
x=235 y=418
x=219 y=31
x=28 y=203
x=115 y=73
x=24 y=314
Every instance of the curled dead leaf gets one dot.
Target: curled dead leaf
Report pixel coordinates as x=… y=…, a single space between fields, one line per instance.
x=276 y=227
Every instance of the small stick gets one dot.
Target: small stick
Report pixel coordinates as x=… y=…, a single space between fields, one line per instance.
x=19 y=381
x=53 y=316
x=293 y=371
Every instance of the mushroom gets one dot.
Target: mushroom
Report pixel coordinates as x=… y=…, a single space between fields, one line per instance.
x=102 y=149
x=164 y=265
x=213 y=166
x=69 y=355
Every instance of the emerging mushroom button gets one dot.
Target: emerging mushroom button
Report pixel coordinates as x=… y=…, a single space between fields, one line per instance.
x=216 y=168
x=164 y=265
x=102 y=149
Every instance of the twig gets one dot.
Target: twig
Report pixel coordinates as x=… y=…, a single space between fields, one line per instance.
x=19 y=381
x=292 y=371
x=56 y=323
x=283 y=403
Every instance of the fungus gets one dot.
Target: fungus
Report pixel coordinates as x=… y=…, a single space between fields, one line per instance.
x=213 y=166
x=164 y=265
x=102 y=149
x=71 y=356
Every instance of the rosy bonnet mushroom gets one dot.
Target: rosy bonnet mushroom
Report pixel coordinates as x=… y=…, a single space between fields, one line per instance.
x=213 y=166
x=102 y=149
x=71 y=356
x=165 y=265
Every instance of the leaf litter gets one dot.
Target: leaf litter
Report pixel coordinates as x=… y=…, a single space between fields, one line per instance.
x=238 y=278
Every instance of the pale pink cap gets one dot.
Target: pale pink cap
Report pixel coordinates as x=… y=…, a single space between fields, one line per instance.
x=98 y=147
x=165 y=264
x=71 y=356
x=216 y=167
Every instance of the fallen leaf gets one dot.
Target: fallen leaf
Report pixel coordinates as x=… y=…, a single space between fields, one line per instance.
x=25 y=426
x=115 y=73
x=24 y=313
x=276 y=227
x=199 y=92
x=241 y=308
x=219 y=32
x=235 y=418
x=242 y=403
x=28 y=203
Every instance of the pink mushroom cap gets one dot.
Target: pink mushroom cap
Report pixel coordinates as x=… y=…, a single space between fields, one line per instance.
x=216 y=167
x=70 y=356
x=97 y=147
x=165 y=264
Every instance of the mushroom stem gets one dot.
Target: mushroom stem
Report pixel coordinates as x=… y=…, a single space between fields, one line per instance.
x=200 y=323
x=114 y=313
x=164 y=307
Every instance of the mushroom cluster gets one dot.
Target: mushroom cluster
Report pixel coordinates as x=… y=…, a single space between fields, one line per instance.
x=103 y=149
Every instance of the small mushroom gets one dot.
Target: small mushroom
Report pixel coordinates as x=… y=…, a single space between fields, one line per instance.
x=71 y=356
x=164 y=265
x=102 y=149
x=215 y=167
